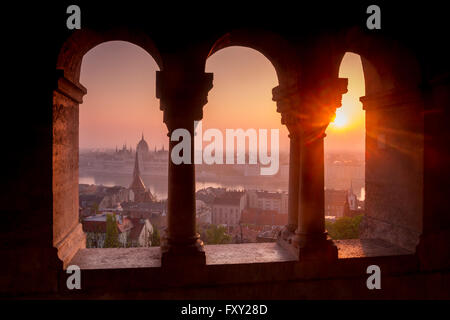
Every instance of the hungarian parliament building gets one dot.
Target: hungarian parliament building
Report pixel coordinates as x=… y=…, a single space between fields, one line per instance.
x=122 y=161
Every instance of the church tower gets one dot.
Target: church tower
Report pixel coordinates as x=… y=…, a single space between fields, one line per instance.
x=137 y=185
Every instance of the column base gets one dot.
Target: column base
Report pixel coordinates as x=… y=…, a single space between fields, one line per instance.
x=71 y=243
x=312 y=247
x=286 y=237
x=182 y=255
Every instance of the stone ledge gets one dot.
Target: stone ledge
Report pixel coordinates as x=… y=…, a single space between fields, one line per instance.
x=363 y=248
x=246 y=253
x=116 y=271
x=227 y=254
x=117 y=258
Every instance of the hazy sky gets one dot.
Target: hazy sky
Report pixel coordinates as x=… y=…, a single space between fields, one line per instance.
x=121 y=104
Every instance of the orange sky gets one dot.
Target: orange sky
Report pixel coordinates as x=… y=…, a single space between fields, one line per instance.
x=121 y=103
x=242 y=93
x=351 y=136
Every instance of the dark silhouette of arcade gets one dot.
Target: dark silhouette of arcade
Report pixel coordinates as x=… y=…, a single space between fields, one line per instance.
x=407 y=103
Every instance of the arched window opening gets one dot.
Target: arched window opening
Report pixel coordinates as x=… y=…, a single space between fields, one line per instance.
x=345 y=156
x=123 y=149
x=237 y=202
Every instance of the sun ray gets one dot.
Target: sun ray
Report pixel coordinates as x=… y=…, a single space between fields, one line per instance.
x=341 y=119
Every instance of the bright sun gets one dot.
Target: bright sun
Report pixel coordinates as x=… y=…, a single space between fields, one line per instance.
x=341 y=119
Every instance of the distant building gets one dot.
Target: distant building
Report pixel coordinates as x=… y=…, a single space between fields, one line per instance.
x=353 y=206
x=340 y=203
x=203 y=212
x=265 y=200
x=122 y=161
x=207 y=195
x=335 y=201
x=155 y=212
x=139 y=192
x=142 y=209
x=141 y=233
x=260 y=217
x=95 y=229
x=227 y=208
x=114 y=196
x=131 y=232
x=142 y=148
x=89 y=204
x=124 y=152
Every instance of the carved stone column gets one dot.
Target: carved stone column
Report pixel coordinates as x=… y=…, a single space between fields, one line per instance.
x=307 y=118
x=310 y=236
x=294 y=183
x=182 y=96
x=317 y=109
x=287 y=99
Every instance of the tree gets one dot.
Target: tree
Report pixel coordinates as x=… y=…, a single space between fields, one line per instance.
x=95 y=207
x=112 y=235
x=344 y=228
x=217 y=235
x=155 y=237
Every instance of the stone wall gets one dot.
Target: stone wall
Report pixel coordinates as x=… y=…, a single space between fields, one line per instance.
x=394 y=168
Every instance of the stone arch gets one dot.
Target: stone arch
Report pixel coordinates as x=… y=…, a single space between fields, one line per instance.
x=81 y=41
x=68 y=236
x=394 y=135
x=386 y=63
x=271 y=45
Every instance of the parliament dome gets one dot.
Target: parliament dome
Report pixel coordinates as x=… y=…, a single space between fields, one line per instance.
x=142 y=146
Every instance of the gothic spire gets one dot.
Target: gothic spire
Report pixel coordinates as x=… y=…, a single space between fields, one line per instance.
x=136 y=166
x=137 y=185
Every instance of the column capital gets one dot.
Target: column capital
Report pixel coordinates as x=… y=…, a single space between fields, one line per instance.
x=288 y=98
x=64 y=86
x=307 y=110
x=182 y=94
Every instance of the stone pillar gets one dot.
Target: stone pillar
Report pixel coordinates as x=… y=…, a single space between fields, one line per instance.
x=182 y=96
x=314 y=113
x=394 y=167
x=287 y=99
x=68 y=235
x=310 y=236
x=294 y=183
